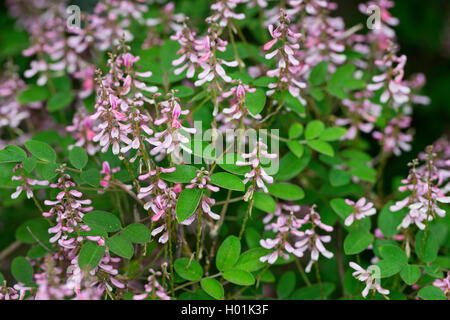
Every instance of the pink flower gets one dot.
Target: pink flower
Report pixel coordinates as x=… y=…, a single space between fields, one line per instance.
x=27 y=183
x=443 y=284
x=257 y=174
x=361 y=209
x=370 y=278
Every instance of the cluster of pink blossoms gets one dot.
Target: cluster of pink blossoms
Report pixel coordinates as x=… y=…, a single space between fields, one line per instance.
x=257 y=175
x=424 y=185
x=120 y=95
x=309 y=240
x=163 y=202
x=370 y=277
x=13 y=293
x=361 y=209
x=153 y=288
x=202 y=181
x=174 y=138
x=288 y=65
x=27 y=182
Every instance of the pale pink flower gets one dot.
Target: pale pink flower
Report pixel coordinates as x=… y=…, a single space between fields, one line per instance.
x=370 y=278
x=361 y=209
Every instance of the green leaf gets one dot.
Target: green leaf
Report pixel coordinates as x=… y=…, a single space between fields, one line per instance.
x=59 y=101
x=290 y=166
x=102 y=219
x=313 y=292
x=33 y=94
x=341 y=74
x=357 y=241
x=62 y=83
x=294 y=104
x=427 y=249
x=228 y=253
x=187 y=203
x=252 y=237
x=264 y=202
x=267 y=276
x=264 y=81
x=322 y=147
x=12 y=154
x=296 y=130
x=332 y=134
x=394 y=254
x=314 y=129
x=137 y=233
x=388 y=268
x=286 y=191
x=227 y=181
x=255 y=101
x=230 y=166
x=120 y=245
x=182 y=173
x=22 y=270
x=317 y=94
x=353 y=84
x=168 y=53
x=249 y=260
x=286 y=285
x=91 y=177
x=365 y=173
x=36 y=252
x=337 y=92
x=431 y=293
x=388 y=220
x=78 y=157
x=319 y=74
x=188 y=269
x=296 y=148
x=239 y=277
x=434 y=271
x=342 y=209
x=183 y=91
x=90 y=255
x=41 y=150
x=212 y=287
x=33 y=230
x=2 y=278
x=339 y=178
x=47 y=170
x=410 y=274
x=29 y=164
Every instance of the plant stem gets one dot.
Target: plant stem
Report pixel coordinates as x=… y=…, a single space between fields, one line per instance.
x=319 y=280
x=247 y=214
x=302 y=272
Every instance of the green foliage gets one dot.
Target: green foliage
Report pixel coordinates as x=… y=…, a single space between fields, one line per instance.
x=187 y=203
x=188 y=269
x=78 y=157
x=22 y=270
x=41 y=150
x=212 y=287
x=90 y=255
x=228 y=253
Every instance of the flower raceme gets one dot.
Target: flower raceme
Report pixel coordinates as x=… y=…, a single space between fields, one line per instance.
x=257 y=175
